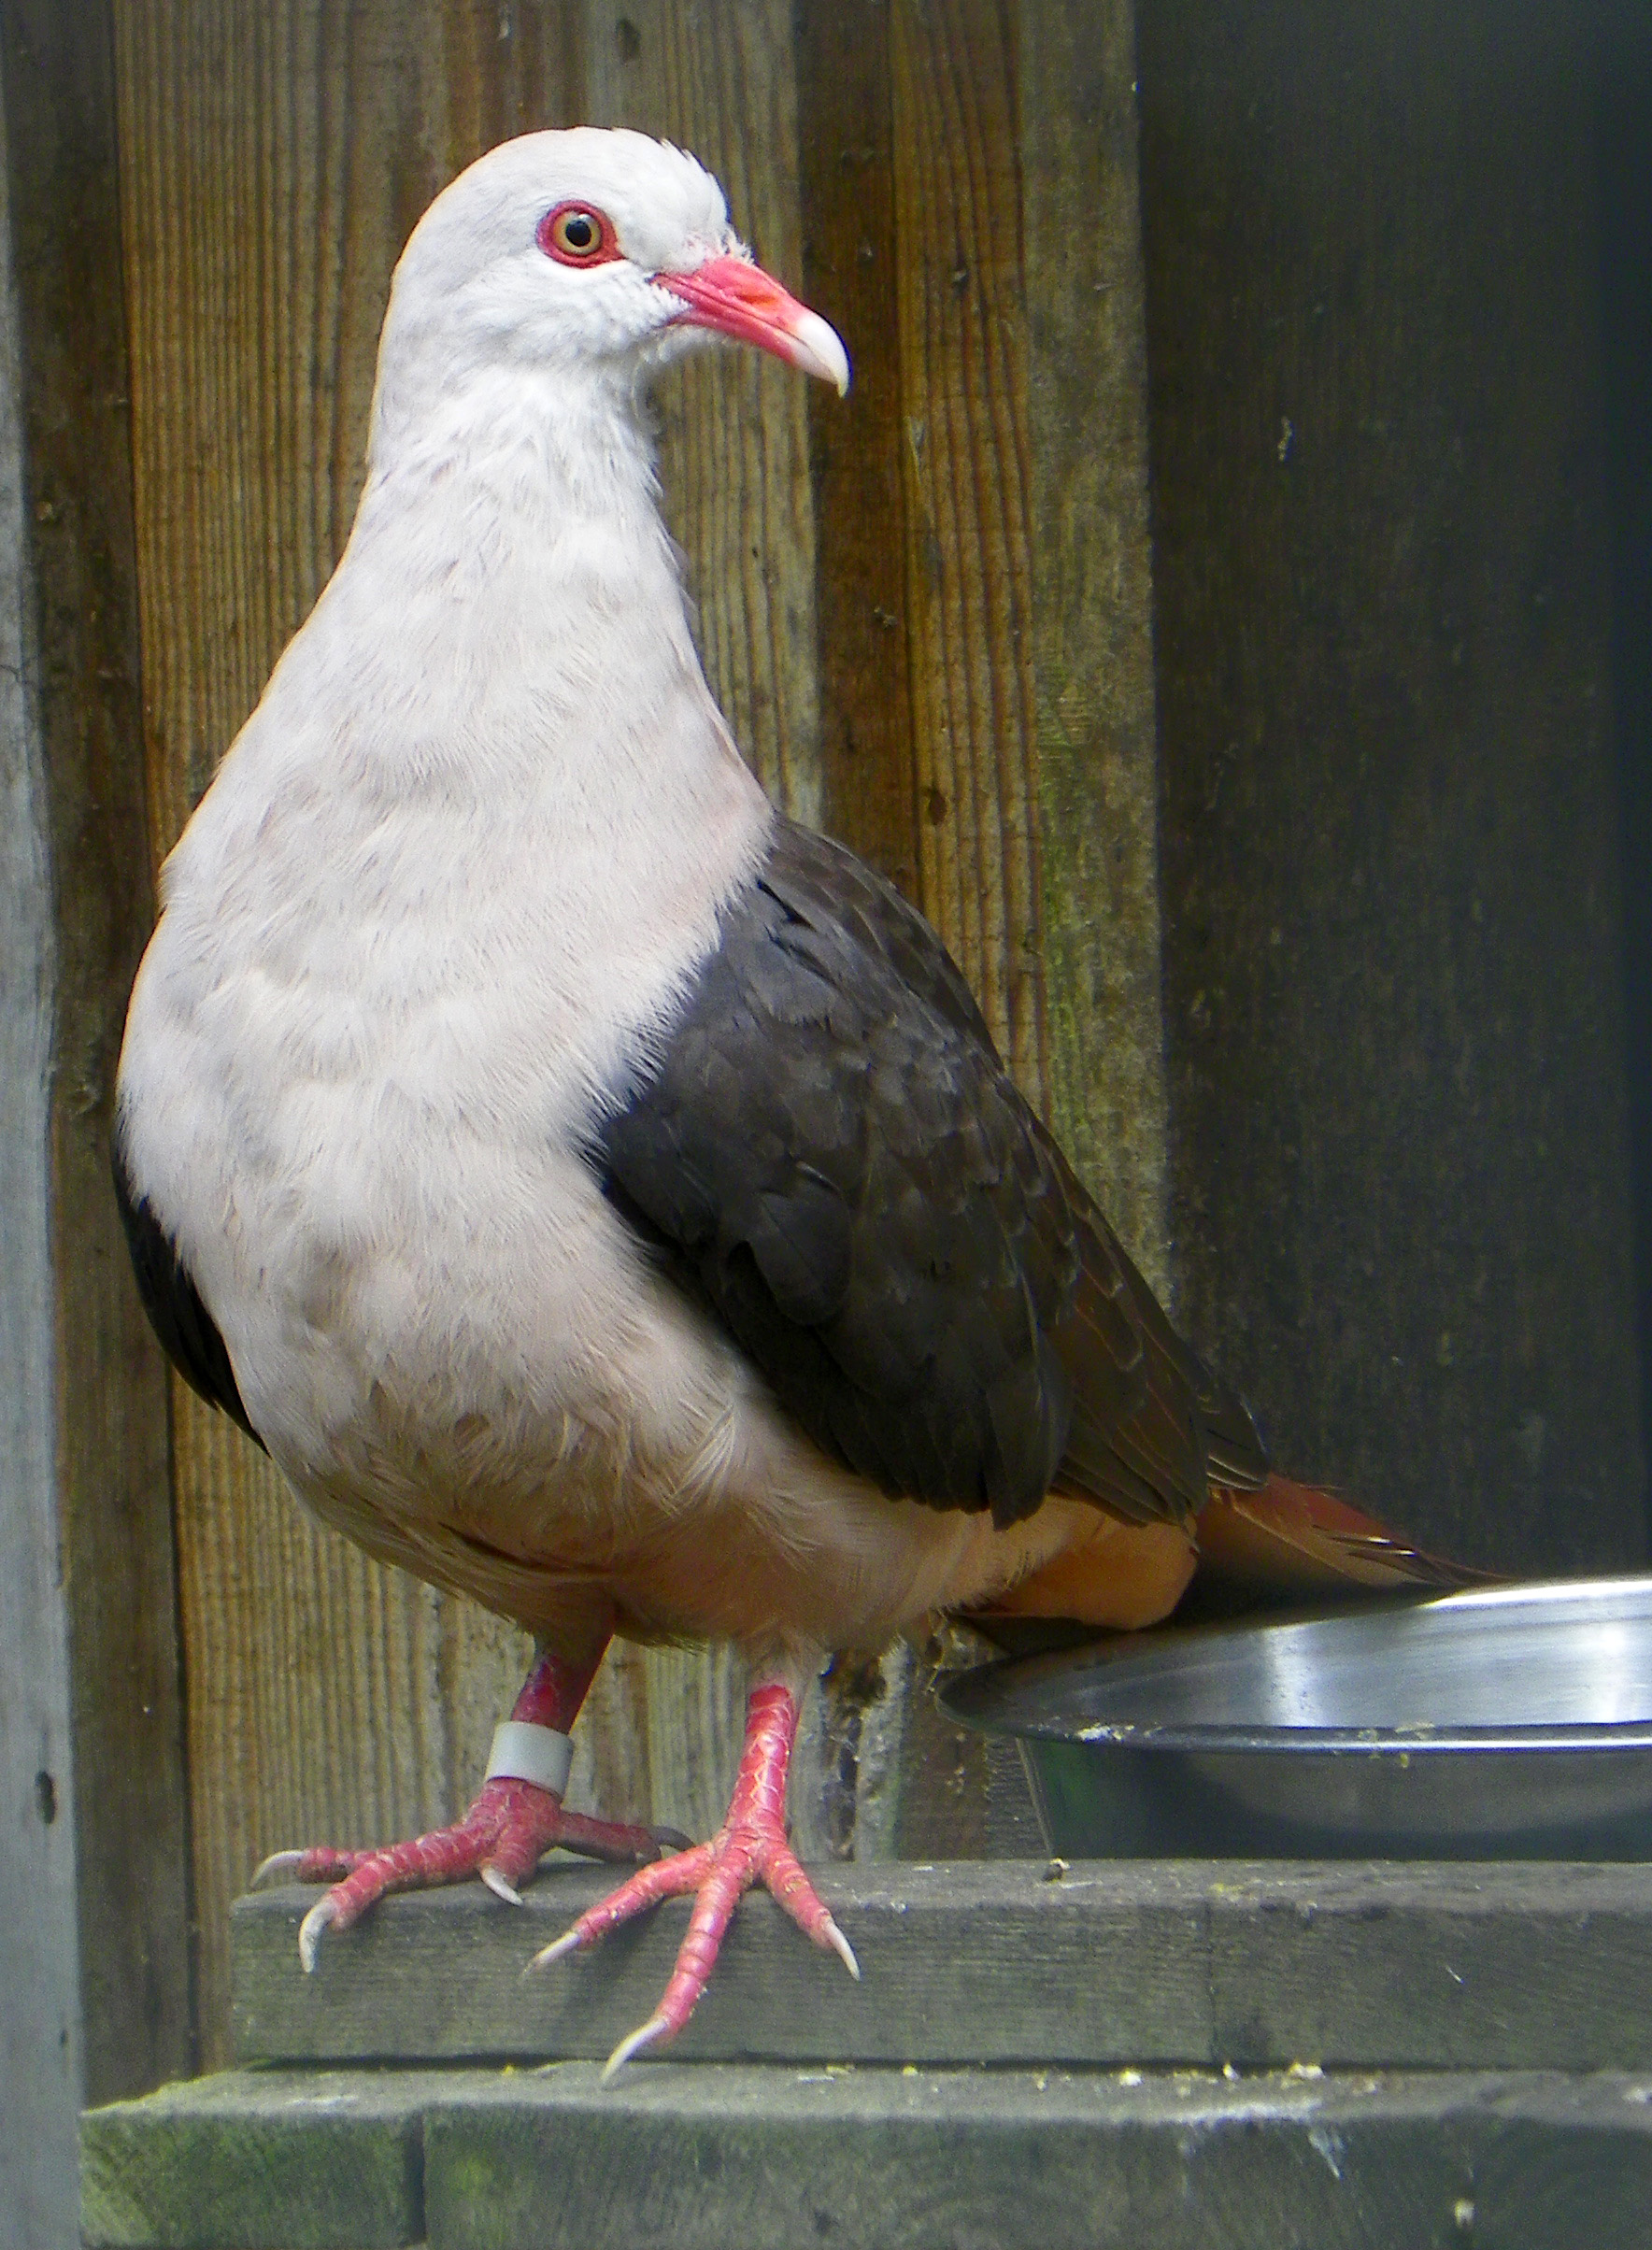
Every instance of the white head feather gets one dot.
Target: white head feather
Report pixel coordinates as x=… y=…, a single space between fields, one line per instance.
x=476 y=289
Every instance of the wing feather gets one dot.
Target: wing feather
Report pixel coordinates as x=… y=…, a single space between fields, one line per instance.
x=833 y=1157
x=187 y=1332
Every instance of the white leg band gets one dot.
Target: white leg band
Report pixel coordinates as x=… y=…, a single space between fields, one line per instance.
x=525 y=1751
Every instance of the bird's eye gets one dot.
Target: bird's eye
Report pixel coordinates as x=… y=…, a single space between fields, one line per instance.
x=574 y=235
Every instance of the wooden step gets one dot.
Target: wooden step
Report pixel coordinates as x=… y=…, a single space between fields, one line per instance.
x=732 y=2156
x=1378 y=1967
x=1368 y=2055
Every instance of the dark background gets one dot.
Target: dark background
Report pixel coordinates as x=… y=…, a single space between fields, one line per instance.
x=1399 y=332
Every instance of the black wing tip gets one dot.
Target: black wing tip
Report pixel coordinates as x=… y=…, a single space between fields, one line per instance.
x=187 y=1332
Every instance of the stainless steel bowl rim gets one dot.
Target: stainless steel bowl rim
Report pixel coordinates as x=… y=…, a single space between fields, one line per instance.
x=1328 y=1741
x=977 y=1699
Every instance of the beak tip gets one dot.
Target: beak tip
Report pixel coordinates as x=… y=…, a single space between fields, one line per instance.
x=820 y=351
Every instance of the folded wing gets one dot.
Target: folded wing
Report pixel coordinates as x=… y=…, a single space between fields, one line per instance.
x=830 y=1155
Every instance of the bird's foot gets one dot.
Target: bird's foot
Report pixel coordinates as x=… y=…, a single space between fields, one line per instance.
x=501 y=1838
x=750 y=1848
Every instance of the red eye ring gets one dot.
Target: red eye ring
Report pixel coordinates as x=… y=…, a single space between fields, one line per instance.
x=575 y=234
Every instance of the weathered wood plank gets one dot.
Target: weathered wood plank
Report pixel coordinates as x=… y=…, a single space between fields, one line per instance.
x=1394 y=984
x=40 y=2057
x=869 y=778
x=1390 y=1967
x=960 y=391
x=694 y=2158
x=328 y=2161
x=1091 y=609
x=114 y=1522
x=963 y=389
x=708 y=2155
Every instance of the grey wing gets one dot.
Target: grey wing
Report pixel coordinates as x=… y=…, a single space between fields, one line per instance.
x=830 y=1155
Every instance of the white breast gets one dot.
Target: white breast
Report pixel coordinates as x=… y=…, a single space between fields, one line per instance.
x=451 y=876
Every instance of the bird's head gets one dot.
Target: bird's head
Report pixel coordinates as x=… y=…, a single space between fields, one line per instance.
x=596 y=255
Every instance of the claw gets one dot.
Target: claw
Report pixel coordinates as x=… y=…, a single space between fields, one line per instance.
x=657 y=2027
x=499 y=1886
x=841 y=1946
x=672 y=1840
x=275 y=1869
x=568 y=1943
x=321 y=1916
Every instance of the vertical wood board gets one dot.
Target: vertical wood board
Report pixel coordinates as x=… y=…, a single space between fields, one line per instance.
x=966 y=471
x=868 y=751
x=1092 y=622
x=115 y=1525
x=40 y=2041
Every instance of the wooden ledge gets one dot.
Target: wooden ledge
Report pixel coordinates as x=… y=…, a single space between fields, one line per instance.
x=714 y=2156
x=1377 y=1967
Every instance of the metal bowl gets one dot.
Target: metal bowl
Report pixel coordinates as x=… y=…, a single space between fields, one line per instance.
x=1515 y=1723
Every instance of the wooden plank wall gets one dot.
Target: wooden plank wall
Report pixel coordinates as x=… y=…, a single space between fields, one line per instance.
x=112 y=1564
x=867 y=597
x=40 y=2040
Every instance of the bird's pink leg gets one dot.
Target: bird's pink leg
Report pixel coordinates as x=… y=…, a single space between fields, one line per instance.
x=750 y=1848
x=500 y=1838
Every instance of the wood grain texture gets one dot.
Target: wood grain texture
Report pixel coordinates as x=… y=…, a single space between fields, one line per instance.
x=333 y=2162
x=114 y=1522
x=868 y=755
x=963 y=388
x=1092 y=610
x=692 y=2156
x=1259 y=1963
x=1394 y=982
x=40 y=2060
x=1035 y=2161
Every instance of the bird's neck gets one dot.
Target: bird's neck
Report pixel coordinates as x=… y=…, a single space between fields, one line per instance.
x=501 y=663
x=520 y=486
x=556 y=447
x=508 y=614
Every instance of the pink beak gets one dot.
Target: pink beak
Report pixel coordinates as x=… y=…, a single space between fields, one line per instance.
x=738 y=299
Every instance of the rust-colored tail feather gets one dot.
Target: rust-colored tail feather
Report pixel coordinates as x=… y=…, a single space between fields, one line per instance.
x=1300 y=1541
